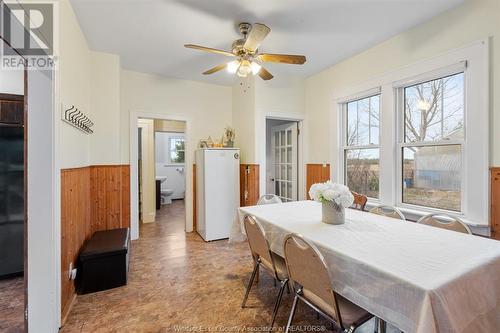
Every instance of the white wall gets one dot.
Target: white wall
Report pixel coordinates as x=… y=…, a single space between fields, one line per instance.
x=473 y=20
x=175 y=173
x=254 y=100
x=12 y=82
x=244 y=119
x=90 y=81
x=74 y=83
x=283 y=94
x=105 y=109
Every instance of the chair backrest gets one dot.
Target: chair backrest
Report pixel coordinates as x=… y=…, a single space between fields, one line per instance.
x=449 y=222
x=360 y=201
x=306 y=267
x=267 y=199
x=388 y=211
x=257 y=240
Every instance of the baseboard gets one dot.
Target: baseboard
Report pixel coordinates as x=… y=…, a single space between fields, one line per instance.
x=67 y=311
x=149 y=218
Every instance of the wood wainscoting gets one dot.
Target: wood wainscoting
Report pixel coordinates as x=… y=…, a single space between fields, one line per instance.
x=495 y=203
x=93 y=198
x=316 y=173
x=75 y=226
x=249 y=184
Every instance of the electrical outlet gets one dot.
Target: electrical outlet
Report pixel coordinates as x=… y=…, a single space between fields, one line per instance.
x=72 y=272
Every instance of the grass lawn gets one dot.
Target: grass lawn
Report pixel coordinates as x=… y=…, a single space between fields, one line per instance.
x=449 y=200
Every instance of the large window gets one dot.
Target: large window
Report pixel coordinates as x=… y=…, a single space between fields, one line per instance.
x=361 y=145
x=432 y=133
x=417 y=137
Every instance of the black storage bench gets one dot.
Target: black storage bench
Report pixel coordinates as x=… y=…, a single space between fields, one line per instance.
x=104 y=260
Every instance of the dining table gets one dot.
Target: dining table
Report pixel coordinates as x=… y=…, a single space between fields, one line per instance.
x=416 y=277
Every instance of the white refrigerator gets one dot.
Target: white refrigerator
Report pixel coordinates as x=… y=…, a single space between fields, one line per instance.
x=217 y=191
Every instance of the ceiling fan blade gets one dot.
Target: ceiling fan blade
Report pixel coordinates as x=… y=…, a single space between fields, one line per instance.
x=256 y=36
x=264 y=74
x=282 y=58
x=209 y=49
x=215 y=69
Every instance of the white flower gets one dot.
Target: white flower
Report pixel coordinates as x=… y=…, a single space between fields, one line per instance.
x=330 y=195
x=329 y=191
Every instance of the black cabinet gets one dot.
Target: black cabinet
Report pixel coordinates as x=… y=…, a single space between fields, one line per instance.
x=104 y=261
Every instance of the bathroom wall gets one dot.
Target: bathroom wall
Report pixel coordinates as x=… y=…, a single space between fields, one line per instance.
x=175 y=173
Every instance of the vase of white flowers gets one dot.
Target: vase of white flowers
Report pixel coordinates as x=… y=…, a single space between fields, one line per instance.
x=334 y=199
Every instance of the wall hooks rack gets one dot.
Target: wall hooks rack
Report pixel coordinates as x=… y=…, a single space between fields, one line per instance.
x=78 y=119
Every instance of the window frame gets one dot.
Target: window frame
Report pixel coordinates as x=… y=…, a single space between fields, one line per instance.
x=344 y=132
x=399 y=94
x=170 y=150
x=476 y=196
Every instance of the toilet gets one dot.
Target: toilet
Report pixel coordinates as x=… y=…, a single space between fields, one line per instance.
x=166 y=196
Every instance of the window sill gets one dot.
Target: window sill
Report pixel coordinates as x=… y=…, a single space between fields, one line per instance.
x=412 y=214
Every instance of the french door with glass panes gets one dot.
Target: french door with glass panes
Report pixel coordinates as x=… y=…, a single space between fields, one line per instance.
x=284 y=156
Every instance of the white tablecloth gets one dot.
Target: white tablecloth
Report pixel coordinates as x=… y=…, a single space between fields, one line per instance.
x=419 y=278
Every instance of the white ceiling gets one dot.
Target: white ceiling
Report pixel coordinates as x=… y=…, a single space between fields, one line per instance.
x=149 y=34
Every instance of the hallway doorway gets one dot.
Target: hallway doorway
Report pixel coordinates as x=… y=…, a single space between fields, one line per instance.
x=161 y=169
x=282 y=149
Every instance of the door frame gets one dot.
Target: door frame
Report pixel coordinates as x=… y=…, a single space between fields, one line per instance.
x=147 y=129
x=42 y=301
x=261 y=137
x=134 y=169
x=295 y=181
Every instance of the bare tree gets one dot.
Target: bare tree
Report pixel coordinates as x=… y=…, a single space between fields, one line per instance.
x=433 y=111
x=426 y=108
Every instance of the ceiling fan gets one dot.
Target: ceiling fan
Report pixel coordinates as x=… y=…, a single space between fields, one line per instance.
x=246 y=51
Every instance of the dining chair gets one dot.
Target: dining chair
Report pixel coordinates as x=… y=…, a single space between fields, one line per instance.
x=267 y=199
x=449 y=222
x=311 y=284
x=265 y=258
x=388 y=211
x=360 y=200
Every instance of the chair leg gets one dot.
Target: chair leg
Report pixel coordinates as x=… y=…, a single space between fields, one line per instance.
x=383 y=326
x=278 y=301
x=292 y=313
x=380 y=325
x=250 y=283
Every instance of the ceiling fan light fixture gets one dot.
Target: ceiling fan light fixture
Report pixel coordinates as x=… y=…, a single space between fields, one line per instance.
x=246 y=58
x=255 y=68
x=232 y=67
x=244 y=69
